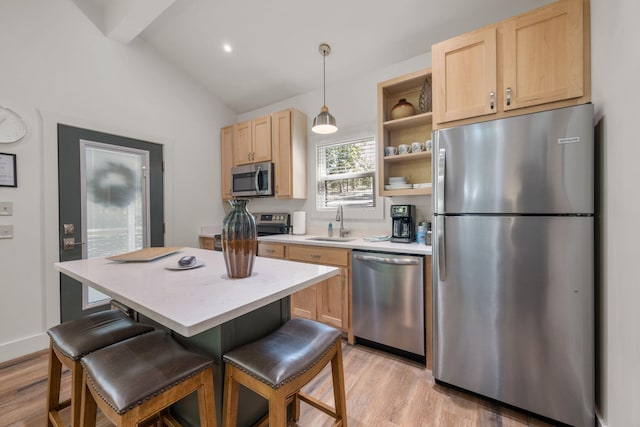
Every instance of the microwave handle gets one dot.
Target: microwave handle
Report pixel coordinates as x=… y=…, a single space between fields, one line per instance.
x=257 y=179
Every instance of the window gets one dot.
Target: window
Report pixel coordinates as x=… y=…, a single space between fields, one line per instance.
x=346 y=174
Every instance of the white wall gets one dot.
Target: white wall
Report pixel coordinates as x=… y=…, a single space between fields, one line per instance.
x=353 y=103
x=57 y=66
x=616 y=91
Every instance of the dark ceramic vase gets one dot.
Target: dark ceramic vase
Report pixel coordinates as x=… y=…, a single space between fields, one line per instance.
x=239 y=240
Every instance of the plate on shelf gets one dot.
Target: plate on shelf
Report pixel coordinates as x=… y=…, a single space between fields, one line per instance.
x=422 y=185
x=397 y=186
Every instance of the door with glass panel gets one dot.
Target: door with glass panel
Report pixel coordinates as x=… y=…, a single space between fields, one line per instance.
x=110 y=194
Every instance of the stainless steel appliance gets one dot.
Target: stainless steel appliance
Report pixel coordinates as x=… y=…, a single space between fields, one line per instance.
x=388 y=301
x=513 y=256
x=252 y=180
x=403 y=226
x=268 y=224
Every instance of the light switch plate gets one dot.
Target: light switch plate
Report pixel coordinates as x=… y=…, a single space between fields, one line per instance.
x=6 y=231
x=6 y=208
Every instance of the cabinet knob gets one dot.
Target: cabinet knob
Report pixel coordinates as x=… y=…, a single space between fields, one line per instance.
x=508 y=96
x=492 y=99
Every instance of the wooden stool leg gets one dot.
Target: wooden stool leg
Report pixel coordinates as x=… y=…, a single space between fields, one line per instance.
x=338 y=384
x=88 y=406
x=295 y=408
x=230 y=399
x=277 y=410
x=76 y=393
x=206 y=400
x=53 y=383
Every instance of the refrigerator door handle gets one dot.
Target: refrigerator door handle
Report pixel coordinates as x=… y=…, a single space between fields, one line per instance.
x=440 y=181
x=442 y=265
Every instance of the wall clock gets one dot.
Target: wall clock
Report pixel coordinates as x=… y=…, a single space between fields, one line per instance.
x=12 y=127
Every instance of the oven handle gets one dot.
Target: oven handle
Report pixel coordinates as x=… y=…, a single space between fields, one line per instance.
x=387 y=260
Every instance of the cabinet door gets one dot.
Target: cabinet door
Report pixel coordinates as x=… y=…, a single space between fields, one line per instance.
x=303 y=303
x=332 y=300
x=226 y=160
x=281 y=146
x=543 y=55
x=261 y=134
x=242 y=149
x=464 y=76
x=271 y=250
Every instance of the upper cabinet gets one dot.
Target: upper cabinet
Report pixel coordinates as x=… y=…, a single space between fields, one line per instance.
x=465 y=76
x=289 y=149
x=393 y=132
x=532 y=62
x=252 y=141
x=280 y=138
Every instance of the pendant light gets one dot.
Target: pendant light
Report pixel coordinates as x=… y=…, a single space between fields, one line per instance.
x=324 y=122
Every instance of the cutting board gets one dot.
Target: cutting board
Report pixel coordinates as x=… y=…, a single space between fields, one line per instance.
x=146 y=254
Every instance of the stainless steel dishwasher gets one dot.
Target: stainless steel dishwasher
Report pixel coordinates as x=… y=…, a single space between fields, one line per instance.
x=388 y=300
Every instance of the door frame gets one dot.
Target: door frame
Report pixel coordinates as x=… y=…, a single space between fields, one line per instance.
x=49 y=197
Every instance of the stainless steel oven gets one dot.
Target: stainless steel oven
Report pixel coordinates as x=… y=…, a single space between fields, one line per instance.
x=268 y=224
x=252 y=180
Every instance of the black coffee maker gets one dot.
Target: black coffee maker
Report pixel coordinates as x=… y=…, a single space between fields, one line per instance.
x=403 y=223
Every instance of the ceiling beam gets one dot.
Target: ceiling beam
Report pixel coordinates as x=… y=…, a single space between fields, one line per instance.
x=124 y=20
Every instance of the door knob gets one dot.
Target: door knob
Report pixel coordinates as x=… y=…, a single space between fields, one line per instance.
x=70 y=243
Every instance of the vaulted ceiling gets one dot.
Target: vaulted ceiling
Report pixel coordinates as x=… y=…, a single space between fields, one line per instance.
x=275 y=43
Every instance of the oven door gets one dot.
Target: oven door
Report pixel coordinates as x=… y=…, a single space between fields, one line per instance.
x=252 y=180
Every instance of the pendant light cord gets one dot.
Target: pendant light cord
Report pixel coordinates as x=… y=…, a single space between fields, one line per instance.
x=324 y=79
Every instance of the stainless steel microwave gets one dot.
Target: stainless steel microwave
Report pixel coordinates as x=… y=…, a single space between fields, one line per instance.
x=252 y=180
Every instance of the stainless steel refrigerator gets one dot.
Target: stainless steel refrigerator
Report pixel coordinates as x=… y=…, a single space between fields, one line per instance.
x=513 y=255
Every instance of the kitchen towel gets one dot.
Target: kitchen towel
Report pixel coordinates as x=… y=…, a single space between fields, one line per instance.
x=299 y=222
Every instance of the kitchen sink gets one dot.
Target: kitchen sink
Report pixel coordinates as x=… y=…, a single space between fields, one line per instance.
x=330 y=239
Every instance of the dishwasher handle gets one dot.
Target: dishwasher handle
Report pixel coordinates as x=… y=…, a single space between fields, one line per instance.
x=388 y=260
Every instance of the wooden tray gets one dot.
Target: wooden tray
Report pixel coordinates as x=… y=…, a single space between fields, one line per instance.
x=146 y=254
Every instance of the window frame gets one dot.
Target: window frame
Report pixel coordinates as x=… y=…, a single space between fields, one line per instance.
x=375 y=212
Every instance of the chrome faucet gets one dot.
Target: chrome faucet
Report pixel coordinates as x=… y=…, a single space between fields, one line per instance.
x=340 y=218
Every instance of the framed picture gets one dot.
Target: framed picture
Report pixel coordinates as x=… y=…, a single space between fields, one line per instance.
x=8 y=176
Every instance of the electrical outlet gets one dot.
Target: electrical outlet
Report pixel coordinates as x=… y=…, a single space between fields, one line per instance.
x=6 y=231
x=6 y=208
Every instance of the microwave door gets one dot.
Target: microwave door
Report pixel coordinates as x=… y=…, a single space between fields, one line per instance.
x=244 y=183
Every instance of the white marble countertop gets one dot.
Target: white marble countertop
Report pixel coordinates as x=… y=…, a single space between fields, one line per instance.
x=192 y=301
x=356 y=243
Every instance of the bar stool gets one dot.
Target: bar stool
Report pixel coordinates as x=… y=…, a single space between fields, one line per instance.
x=279 y=365
x=72 y=340
x=133 y=380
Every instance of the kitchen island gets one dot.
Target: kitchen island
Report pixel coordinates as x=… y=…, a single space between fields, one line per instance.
x=203 y=307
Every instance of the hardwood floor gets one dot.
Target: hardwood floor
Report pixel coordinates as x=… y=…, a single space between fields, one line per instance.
x=382 y=390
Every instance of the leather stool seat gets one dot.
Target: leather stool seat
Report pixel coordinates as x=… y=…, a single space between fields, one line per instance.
x=134 y=379
x=72 y=340
x=79 y=337
x=282 y=363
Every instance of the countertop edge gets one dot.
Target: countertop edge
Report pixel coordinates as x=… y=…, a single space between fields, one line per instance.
x=356 y=243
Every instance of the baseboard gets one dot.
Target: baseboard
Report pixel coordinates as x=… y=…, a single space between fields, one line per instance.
x=18 y=348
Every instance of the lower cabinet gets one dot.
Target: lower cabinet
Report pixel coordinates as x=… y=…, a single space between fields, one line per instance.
x=329 y=301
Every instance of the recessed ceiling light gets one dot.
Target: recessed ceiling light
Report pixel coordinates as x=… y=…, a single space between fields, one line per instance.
x=227 y=47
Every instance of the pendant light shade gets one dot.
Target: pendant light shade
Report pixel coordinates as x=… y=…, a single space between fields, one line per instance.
x=324 y=123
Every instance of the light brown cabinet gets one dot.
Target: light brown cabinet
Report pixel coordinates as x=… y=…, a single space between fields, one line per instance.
x=280 y=138
x=226 y=160
x=289 y=150
x=207 y=243
x=329 y=301
x=252 y=141
x=535 y=61
x=416 y=167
